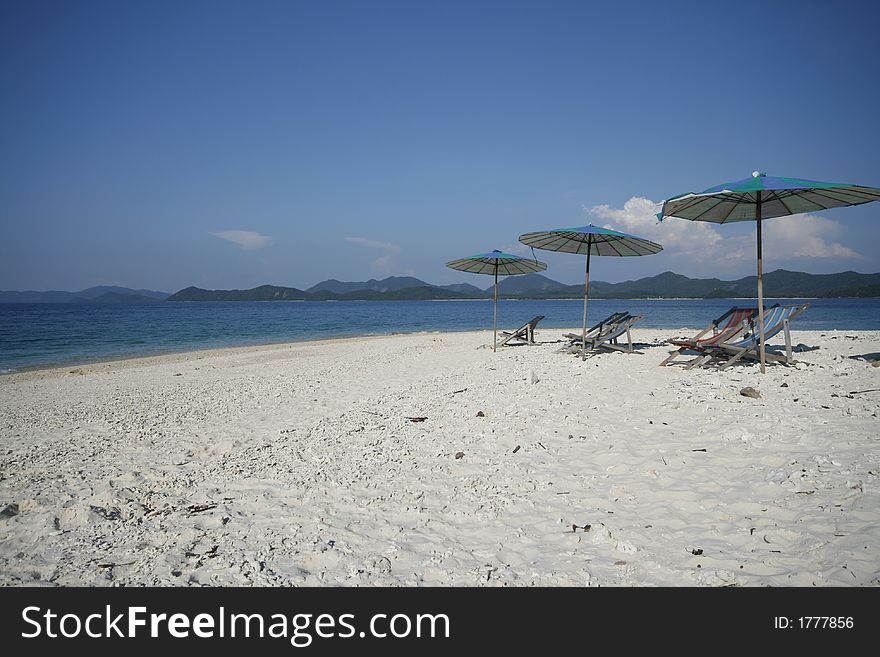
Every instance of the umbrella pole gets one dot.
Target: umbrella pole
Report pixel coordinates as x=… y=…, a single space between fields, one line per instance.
x=586 y=296
x=760 y=282
x=495 y=315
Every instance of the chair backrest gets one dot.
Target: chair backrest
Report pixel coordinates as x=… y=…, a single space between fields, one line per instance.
x=618 y=328
x=527 y=330
x=530 y=324
x=774 y=321
x=612 y=319
x=739 y=320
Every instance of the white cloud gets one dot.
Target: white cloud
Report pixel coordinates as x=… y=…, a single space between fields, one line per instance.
x=246 y=239
x=383 y=264
x=800 y=236
x=373 y=244
x=638 y=216
x=806 y=236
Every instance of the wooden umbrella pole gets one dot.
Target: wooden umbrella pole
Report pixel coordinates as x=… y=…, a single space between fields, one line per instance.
x=495 y=315
x=586 y=296
x=760 y=283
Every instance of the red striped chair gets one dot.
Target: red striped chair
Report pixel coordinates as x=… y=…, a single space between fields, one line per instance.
x=735 y=324
x=776 y=319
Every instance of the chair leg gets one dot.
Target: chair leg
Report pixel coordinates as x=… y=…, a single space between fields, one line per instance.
x=734 y=359
x=698 y=361
x=671 y=357
x=629 y=339
x=615 y=347
x=787 y=340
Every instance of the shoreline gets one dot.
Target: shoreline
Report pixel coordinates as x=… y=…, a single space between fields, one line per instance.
x=203 y=351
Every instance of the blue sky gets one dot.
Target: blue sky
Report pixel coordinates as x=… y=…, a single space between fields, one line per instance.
x=231 y=144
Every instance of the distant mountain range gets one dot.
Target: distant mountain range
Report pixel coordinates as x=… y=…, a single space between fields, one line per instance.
x=98 y=294
x=389 y=285
x=780 y=283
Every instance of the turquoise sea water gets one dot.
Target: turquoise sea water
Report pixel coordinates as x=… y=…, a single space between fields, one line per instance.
x=45 y=335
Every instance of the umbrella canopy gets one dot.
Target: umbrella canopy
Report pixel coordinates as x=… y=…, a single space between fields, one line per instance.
x=495 y=263
x=590 y=240
x=738 y=201
x=763 y=197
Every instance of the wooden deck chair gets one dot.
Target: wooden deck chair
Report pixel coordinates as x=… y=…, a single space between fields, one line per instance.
x=607 y=337
x=592 y=332
x=609 y=341
x=776 y=319
x=732 y=325
x=525 y=334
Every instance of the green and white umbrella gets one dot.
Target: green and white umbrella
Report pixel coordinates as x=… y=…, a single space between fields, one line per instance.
x=590 y=240
x=495 y=263
x=764 y=197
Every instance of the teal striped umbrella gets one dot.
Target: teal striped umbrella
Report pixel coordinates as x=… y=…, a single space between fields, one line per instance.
x=764 y=197
x=495 y=263
x=590 y=240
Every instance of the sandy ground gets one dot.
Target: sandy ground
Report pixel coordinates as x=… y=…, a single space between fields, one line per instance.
x=300 y=465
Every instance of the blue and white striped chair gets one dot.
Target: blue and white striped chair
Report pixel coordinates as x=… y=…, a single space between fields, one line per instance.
x=776 y=319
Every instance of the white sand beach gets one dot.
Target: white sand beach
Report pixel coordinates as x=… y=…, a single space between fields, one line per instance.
x=300 y=464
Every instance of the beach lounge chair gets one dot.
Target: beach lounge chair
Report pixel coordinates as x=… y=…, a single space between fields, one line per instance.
x=776 y=319
x=607 y=336
x=609 y=341
x=525 y=334
x=732 y=325
x=592 y=332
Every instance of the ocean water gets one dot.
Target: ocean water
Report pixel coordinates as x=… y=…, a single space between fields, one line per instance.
x=46 y=335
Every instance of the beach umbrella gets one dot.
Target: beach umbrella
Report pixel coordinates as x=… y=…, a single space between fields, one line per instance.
x=590 y=240
x=764 y=197
x=495 y=263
